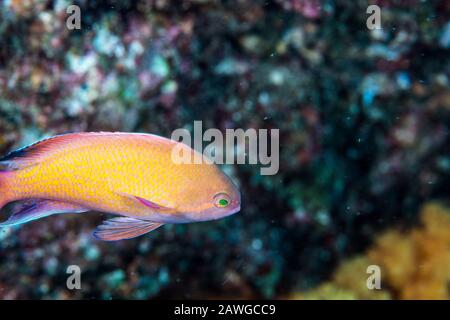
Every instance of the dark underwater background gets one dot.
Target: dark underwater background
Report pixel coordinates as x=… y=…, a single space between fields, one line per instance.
x=364 y=121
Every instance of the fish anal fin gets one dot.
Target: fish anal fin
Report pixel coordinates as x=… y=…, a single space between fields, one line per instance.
x=121 y=228
x=39 y=208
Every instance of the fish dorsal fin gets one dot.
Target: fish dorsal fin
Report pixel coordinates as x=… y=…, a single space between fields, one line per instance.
x=124 y=228
x=38 y=151
x=31 y=154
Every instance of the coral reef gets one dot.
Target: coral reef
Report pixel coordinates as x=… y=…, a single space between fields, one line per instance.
x=414 y=264
x=347 y=283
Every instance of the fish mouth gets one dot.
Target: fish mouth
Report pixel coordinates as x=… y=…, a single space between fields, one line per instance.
x=234 y=209
x=220 y=213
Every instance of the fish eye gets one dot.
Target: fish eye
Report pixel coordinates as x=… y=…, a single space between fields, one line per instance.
x=221 y=200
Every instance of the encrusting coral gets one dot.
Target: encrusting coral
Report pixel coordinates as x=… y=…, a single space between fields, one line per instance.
x=347 y=283
x=414 y=265
x=417 y=264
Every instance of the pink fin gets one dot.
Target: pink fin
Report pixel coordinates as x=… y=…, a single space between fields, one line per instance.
x=36 y=152
x=40 y=208
x=149 y=204
x=30 y=155
x=124 y=228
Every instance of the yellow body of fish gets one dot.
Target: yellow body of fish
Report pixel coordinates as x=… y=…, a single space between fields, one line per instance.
x=127 y=174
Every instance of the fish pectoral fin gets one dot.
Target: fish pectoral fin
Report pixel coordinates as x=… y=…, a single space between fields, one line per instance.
x=39 y=208
x=124 y=228
x=155 y=212
x=148 y=203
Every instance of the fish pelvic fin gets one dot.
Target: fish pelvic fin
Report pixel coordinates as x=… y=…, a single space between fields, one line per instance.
x=40 y=208
x=121 y=228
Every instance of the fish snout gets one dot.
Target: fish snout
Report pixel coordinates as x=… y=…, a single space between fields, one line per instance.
x=218 y=213
x=234 y=207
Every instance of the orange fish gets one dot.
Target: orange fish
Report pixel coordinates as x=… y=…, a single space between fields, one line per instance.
x=131 y=175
